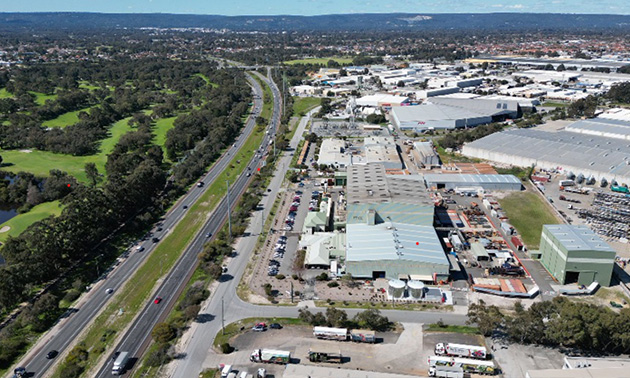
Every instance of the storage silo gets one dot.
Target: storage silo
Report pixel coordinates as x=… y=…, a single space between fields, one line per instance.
x=416 y=289
x=396 y=289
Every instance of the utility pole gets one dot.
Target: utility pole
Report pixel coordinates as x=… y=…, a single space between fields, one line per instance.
x=222 y=318
x=291 y=291
x=229 y=210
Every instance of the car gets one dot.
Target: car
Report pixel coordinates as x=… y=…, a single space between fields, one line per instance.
x=298 y=192
x=159 y=229
x=260 y=327
x=52 y=354
x=157 y=300
x=209 y=235
x=269 y=190
x=301 y=185
x=185 y=207
x=139 y=248
x=109 y=290
x=248 y=174
x=155 y=240
x=200 y=184
x=288 y=228
x=275 y=326
x=234 y=145
x=224 y=269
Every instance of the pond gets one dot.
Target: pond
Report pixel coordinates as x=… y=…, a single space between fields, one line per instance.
x=6 y=214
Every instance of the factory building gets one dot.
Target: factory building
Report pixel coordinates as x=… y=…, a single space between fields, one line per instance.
x=460 y=181
x=609 y=128
x=575 y=254
x=452 y=113
x=389 y=228
x=569 y=152
x=340 y=154
x=424 y=155
x=382 y=100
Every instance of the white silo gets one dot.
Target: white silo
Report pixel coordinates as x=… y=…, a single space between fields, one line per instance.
x=396 y=289
x=416 y=289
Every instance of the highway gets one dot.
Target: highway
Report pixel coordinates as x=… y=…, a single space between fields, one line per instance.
x=89 y=306
x=199 y=343
x=138 y=335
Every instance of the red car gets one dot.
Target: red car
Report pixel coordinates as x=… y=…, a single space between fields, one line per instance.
x=157 y=300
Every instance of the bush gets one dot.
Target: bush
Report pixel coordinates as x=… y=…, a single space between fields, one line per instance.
x=333 y=284
x=280 y=276
x=163 y=333
x=322 y=277
x=159 y=356
x=295 y=277
x=226 y=348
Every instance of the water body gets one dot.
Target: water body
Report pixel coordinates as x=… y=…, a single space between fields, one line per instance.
x=6 y=214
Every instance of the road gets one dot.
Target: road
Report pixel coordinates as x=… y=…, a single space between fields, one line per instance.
x=224 y=296
x=139 y=334
x=88 y=307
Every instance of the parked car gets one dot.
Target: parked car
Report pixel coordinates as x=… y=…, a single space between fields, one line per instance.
x=109 y=290
x=275 y=326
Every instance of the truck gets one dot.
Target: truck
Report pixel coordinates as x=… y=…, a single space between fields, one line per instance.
x=314 y=356
x=467 y=365
x=120 y=363
x=446 y=372
x=329 y=333
x=461 y=350
x=270 y=356
x=362 y=336
x=619 y=189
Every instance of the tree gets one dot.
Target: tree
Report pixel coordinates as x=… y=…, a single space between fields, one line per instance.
x=625 y=69
x=400 y=84
x=92 y=173
x=1 y=160
x=372 y=319
x=163 y=333
x=619 y=92
x=336 y=317
x=486 y=318
x=561 y=68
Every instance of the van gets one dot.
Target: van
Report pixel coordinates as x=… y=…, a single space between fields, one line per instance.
x=227 y=369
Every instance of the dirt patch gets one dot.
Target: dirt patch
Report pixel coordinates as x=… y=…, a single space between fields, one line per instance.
x=5 y=229
x=26 y=151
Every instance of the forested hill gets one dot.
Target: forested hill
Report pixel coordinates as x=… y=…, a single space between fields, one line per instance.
x=349 y=22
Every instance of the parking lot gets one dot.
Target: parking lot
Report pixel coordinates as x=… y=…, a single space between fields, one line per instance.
x=404 y=353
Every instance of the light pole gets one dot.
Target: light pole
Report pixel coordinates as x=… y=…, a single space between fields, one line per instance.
x=222 y=318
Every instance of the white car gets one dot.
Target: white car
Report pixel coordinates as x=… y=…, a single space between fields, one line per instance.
x=109 y=290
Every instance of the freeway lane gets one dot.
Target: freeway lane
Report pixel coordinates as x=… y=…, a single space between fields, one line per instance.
x=90 y=305
x=138 y=335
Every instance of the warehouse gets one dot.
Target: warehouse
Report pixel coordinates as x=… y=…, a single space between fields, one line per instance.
x=575 y=254
x=424 y=155
x=486 y=182
x=451 y=113
x=599 y=157
x=608 y=128
x=382 y=100
x=389 y=228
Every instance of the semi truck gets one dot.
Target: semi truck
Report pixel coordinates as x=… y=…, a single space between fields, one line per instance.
x=329 y=333
x=461 y=350
x=270 y=356
x=468 y=365
x=120 y=363
x=314 y=356
x=362 y=336
x=446 y=372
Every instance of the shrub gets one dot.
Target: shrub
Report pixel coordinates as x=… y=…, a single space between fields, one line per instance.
x=322 y=277
x=280 y=276
x=226 y=348
x=333 y=284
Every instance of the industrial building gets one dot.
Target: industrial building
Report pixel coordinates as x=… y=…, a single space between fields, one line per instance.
x=451 y=113
x=340 y=154
x=389 y=228
x=458 y=181
x=334 y=152
x=381 y=149
x=424 y=155
x=323 y=248
x=382 y=100
x=586 y=155
x=575 y=254
x=604 y=127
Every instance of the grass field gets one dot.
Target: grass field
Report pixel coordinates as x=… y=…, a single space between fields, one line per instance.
x=41 y=162
x=207 y=80
x=162 y=126
x=550 y=104
x=21 y=222
x=301 y=105
x=452 y=328
x=5 y=94
x=136 y=292
x=41 y=98
x=87 y=85
x=65 y=119
x=322 y=61
x=528 y=213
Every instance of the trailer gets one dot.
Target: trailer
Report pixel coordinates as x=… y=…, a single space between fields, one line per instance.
x=467 y=365
x=270 y=356
x=619 y=189
x=446 y=372
x=120 y=363
x=363 y=336
x=461 y=350
x=334 y=358
x=329 y=333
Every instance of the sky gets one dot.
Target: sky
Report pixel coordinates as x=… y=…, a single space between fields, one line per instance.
x=316 y=7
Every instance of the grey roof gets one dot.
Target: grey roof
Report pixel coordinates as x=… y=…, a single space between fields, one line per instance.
x=438 y=108
x=566 y=62
x=563 y=148
x=601 y=126
x=369 y=183
x=574 y=237
x=480 y=106
x=470 y=179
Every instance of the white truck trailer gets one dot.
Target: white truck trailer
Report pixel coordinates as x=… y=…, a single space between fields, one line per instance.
x=468 y=365
x=329 y=333
x=270 y=356
x=461 y=350
x=120 y=363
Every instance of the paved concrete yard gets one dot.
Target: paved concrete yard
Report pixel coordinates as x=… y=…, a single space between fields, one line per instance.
x=516 y=359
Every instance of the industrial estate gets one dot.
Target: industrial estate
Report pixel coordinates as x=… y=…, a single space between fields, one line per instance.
x=216 y=208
